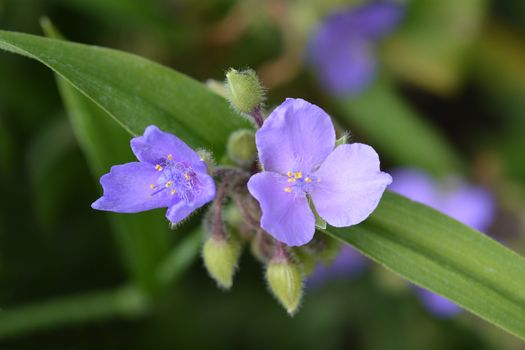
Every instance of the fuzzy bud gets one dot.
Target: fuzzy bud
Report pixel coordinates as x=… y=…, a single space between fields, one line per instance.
x=244 y=90
x=221 y=255
x=241 y=147
x=286 y=283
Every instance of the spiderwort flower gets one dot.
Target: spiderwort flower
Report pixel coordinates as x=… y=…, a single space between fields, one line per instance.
x=296 y=149
x=342 y=50
x=472 y=205
x=169 y=174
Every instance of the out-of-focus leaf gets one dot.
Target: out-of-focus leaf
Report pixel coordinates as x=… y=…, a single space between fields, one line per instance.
x=398 y=131
x=124 y=302
x=498 y=68
x=142 y=237
x=445 y=256
x=417 y=242
x=135 y=91
x=431 y=47
x=180 y=257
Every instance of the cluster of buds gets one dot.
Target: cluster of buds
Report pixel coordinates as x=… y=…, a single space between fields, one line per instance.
x=234 y=219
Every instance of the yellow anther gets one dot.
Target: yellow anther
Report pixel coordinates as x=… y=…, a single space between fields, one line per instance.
x=287 y=189
x=153 y=186
x=158 y=167
x=291 y=179
x=298 y=175
x=169 y=183
x=170 y=157
x=173 y=192
x=308 y=180
x=186 y=176
x=289 y=174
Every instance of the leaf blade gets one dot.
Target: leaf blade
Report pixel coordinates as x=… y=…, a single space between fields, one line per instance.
x=136 y=92
x=445 y=256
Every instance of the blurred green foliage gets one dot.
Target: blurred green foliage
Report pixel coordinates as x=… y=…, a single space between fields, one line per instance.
x=460 y=67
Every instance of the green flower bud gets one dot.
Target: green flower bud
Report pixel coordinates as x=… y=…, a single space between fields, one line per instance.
x=307 y=261
x=221 y=256
x=241 y=147
x=286 y=283
x=244 y=90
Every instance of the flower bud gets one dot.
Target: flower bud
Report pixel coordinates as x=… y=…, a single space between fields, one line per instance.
x=220 y=257
x=286 y=283
x=241 y=147
x=244 y=90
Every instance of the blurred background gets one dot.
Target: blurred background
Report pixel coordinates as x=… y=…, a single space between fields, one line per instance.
x=445 y=76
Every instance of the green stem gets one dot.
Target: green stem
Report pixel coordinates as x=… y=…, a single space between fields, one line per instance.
x=180 y=258
x=122 y=302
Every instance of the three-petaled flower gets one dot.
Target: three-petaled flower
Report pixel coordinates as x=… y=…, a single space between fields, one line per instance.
x=296 y=149
x=169 y=174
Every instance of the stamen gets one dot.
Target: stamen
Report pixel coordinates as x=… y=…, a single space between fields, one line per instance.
x=158 y=167
x=289 y=174
x=153 y=186
x=169 y=183
x=170 y=157
x=291 y=179
x=298 y=175
x=287 y=189
x=186 y=176
x=308 y=180
x=173 y=192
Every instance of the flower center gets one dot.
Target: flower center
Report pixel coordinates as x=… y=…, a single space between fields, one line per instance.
x=177 y=178
x=299 y=183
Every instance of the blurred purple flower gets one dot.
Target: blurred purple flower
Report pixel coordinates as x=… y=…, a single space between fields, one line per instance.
x=342 y=50
x=169 y=174
x=348 y=263
x=471 y=205
x=296 y=148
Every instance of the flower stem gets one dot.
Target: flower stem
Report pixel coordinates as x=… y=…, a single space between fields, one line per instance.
x=217 y=224
x=257 y=116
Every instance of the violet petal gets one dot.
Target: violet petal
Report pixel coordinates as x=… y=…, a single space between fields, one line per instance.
x=127 y=189
x=350 y=185
x=286 y=216
x=297 y=136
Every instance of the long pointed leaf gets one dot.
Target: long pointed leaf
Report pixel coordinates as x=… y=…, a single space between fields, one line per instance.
x=135 y=91
x=445 y=256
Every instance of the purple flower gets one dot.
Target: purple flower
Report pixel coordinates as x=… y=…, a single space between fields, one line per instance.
x=296 y=148
x=472 y=205
x=342 y=50
x=169 y=174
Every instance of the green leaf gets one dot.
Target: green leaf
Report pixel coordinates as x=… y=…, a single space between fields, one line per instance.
x=445 y=256
x=415 y=241
x=432 y=46
x=125 y=302
x=135 y=91
x=142 y=238
x=398 y=131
